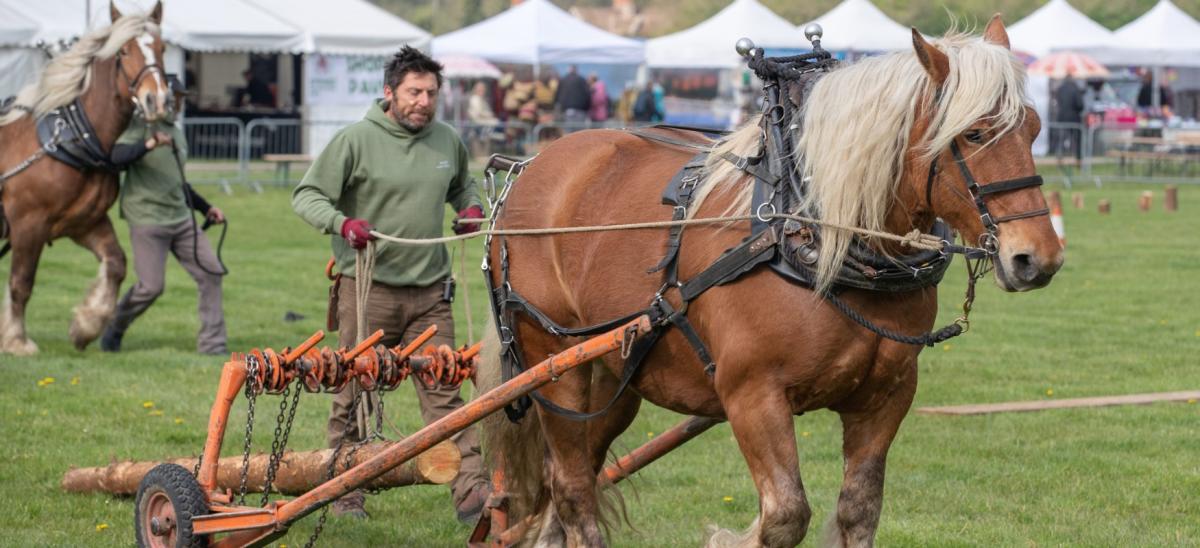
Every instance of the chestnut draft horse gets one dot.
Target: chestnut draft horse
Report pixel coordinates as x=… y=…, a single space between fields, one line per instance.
x=106 y=74
x=868 y=136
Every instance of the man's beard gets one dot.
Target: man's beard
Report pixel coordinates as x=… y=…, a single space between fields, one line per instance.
x=394 y=114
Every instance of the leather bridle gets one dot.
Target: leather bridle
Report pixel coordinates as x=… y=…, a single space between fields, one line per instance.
x=988 y=241
x=133 y=83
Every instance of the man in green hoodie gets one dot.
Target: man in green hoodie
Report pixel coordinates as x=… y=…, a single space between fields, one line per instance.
x=393 y=172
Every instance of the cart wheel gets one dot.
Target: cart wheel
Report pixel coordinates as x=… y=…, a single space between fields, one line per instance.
x=167 y=499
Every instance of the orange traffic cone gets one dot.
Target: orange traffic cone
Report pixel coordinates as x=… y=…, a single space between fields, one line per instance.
x=1056 y=220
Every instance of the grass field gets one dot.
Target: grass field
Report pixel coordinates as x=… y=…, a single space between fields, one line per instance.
x=1123 y=316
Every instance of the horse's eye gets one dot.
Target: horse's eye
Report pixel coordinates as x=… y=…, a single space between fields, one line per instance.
x=975 y=137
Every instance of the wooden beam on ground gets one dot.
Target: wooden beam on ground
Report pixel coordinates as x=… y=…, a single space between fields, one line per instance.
x=1042 y=405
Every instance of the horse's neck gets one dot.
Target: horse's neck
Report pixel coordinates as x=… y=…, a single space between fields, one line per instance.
x=906 y=215
x=104 y=108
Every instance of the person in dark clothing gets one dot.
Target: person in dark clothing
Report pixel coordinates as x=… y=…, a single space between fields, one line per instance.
x=574 y=96
x=1069 y=110
x=645 y=109
x=1145 y=98
x=256 y=93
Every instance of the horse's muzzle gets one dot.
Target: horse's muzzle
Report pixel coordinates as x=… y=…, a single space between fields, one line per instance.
x=1024 y=271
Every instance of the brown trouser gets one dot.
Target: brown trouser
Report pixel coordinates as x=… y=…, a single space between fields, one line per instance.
x=150 y=246
x=403 y=313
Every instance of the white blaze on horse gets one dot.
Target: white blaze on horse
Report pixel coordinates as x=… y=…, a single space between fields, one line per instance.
x=55 y=177
x=915 y=140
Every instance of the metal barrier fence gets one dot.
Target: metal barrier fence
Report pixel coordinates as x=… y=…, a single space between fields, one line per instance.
x=217 y=139
x=236 y=152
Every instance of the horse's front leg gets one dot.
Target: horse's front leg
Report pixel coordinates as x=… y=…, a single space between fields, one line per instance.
x=98 y=305
x=867 y=434
x=27 y=244
x=762 y=422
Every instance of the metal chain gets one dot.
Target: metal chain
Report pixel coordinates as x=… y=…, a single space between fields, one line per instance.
x=331 y=472
x=282 y=432
x=251 y=396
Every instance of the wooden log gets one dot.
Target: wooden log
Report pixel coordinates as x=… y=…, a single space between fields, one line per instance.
x=1041 y=405
x=1171 y=198
x=1144 y=201
x=1077 y=200
x=1104 y=206
x=299 y=472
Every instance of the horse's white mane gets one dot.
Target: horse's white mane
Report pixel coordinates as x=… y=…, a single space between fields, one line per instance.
x=855 y=131
x=67 y=76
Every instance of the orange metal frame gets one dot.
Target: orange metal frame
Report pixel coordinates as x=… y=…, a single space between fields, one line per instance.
x=248 y=526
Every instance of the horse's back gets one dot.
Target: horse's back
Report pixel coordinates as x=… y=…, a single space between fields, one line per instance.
x=590 y=178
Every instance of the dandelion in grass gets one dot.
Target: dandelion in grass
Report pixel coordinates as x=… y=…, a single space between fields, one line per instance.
x=47 y=381
x=947 y=347
x=156 y=413
x=649 y=434
x=1192 y=400
x=74 y=381
x=178 y=420
x=100 y=527
x=148 y=405
x=1050 y=392
x=805 y=434
x=727 y=499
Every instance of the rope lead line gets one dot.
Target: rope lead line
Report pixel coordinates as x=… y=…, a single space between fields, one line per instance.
x=914 y=239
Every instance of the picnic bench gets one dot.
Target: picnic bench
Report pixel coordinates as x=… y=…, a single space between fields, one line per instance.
x=283 y=164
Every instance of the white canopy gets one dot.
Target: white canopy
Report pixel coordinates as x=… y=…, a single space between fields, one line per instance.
x=537 y=32
x=857 y=25
x=710 y=44
x=1057 y=26
x=1163 y=36
x=15 y=29
x=347 y=27
x=197 y=25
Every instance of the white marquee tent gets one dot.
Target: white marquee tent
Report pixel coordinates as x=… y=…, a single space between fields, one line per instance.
x=349 y=27
x=1057 y=26
x=710 y=44
x=859 y=26
x=1163 y=36
x=537 y=32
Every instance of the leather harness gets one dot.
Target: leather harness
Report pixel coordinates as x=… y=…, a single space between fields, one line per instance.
x=772 y=241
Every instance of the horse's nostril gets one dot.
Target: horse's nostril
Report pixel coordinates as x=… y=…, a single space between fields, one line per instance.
x=1025 y=267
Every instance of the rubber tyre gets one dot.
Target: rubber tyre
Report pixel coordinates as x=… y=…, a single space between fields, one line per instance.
x=169 y=489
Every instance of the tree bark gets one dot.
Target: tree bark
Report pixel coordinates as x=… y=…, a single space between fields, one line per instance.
x=299 y=472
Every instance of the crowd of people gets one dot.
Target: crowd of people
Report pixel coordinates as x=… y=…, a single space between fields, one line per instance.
x=1078 y=105
x=505 y=109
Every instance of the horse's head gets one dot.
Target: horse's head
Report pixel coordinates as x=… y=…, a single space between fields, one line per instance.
x=979 y=174
x=140 y=77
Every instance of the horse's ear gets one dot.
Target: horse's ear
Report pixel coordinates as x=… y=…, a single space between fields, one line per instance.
x=156 y=13
x=995 y=32
x=113 y=12
x=935 y=62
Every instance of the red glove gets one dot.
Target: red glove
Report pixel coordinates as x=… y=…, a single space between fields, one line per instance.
x=357 y=232
x=473 y=212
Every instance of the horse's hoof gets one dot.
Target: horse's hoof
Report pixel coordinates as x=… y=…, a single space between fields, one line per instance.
x=22 y=347
x=86 y=327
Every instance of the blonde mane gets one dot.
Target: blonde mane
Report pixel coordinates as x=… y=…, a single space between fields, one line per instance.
x=67 y=76
x=855 y=127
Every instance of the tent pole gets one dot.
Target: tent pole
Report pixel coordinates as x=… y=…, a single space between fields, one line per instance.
x=1155 y=82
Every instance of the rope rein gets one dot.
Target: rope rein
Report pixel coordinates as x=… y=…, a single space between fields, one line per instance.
x=915 y=239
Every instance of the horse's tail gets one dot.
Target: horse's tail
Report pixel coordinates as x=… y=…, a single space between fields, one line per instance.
x=518 y=449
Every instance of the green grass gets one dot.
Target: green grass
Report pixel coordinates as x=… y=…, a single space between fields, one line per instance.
x=1123 y=316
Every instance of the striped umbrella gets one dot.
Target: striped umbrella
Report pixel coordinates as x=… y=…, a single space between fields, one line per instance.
x=1062 y=63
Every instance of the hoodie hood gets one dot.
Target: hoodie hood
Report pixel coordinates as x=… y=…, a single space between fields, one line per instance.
x=378 y=116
